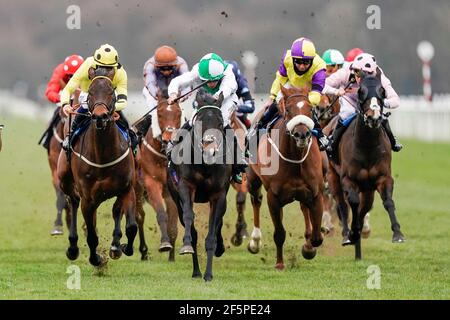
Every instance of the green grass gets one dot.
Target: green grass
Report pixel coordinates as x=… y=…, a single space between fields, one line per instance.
x=33 y=264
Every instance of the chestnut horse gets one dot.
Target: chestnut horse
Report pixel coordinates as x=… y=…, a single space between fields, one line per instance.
x=153 y=175
x=101 y=166
x=299 y=175
x=365 y=166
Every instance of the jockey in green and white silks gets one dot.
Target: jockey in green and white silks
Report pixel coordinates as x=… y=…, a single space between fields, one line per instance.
x=220 y=79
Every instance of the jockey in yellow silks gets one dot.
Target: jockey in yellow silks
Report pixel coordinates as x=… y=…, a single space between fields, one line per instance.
x=104 y=57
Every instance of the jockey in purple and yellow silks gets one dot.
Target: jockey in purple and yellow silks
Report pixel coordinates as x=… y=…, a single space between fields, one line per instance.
x=300 y=66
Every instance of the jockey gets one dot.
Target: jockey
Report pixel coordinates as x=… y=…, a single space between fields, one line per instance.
x=300 y=66
x=105 y=57
x=335 y=84
x=219 y=78
x=61 y=75
x=333 y=59
x=243 y=92
x=159 y=70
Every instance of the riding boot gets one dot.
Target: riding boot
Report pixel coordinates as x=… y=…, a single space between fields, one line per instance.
x=75 y=124
x=323 y=140
x=134 y=140
x=332 y=149
x=395 y=144
x=240 y=164
x=143 y=125
x=268 y=115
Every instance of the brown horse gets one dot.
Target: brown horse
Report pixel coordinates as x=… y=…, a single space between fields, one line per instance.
x=101 y=167
x=365 y=166
x=153 y=175
x=298 y=175
x=241 y=189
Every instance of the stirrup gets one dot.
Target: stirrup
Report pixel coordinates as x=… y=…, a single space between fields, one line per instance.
x=324 y=143
x=237 y=178
x=397 y=146
x=65 y=144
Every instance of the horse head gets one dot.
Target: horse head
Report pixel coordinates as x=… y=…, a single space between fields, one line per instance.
x=370 y=100
x=101 y=100
x=208 y=125
x=169 y=116
x=325 y=111
x=297 y=110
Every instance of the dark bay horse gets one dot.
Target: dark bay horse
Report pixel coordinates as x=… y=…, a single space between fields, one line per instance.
x=153 y=175
x=203 y=177
x=365 y=166
x=101 y=166
x=297 y=176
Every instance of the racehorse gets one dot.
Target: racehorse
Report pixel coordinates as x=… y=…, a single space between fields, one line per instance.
x=365 y=166
x=208 y=180
x=101 y=166
x=153 y=175
x=299 y=175
x=53 y=152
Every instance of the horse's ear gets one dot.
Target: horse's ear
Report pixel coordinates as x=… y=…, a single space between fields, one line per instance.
x=362 y=93
x=285 y=92
x=219 y=100
x=281 y=106
x=378 y=74
x=91 y=73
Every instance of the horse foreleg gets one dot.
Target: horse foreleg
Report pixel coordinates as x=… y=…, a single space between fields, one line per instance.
x=172 y=223
x=279 y=235
x=308 y=251
x=73 y=251
x=254 y=187
x=140 y=218
x=129 y=207
x=214 y=241
x=352 y=195
x=385 y=188
x=154 y=191
x=241 y=226
x=341 y=205
x=89 y=208
x=315 y=211
x=196 y=273
x=187 y=217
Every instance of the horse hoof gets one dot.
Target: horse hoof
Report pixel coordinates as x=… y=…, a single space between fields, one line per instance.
x=365 y=234
x=57 y=231
x=72 y=254
x=398 y=239
x=220 y=249
x=145 y=257
x=316 y=243
x=186 y=250
x=279 y=266
x=325 y=230
x=252 y=249
x=125 y=249
x=98 y=260
x=208 y=277
x=308 y=254
x=165 y=246
x=196 y=274
x=236 y=240
x=346 y=241
x=115 y=253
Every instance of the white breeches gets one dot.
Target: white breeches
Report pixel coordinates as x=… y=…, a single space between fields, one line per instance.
x=347 y=109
